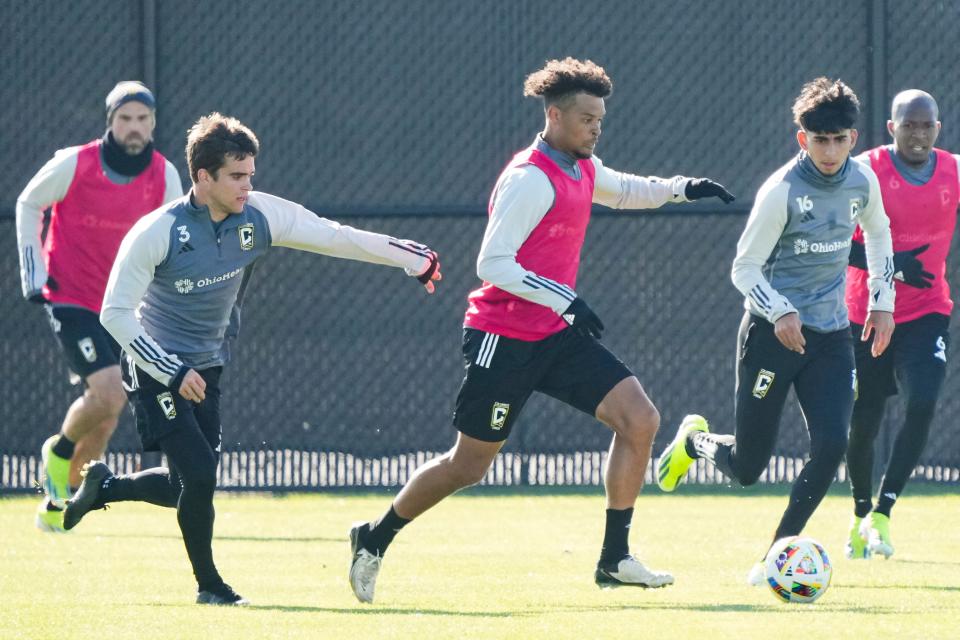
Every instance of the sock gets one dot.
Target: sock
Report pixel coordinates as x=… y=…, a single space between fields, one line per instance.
x=63 y=447
x=862 y=506
x=383 y=531
x=885 y=503
x=689 y=447
x=615 y=545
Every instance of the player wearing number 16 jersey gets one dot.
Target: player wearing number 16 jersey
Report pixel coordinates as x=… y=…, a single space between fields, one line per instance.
x=791 y=267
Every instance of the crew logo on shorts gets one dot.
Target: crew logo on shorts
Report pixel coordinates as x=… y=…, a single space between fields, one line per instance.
x=498 y=417
x=763 y=383
x=166 y=403
x=88 y=350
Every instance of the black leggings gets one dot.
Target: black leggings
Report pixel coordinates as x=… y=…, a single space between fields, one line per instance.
x=192 y=445
x=823 y=381
x=915 y=363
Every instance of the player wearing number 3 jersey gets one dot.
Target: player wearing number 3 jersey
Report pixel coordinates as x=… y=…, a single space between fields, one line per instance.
x=173 y=304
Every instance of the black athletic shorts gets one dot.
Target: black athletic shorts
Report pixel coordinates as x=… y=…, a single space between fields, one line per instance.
x=501 y=373
x=919 y=345
x=86 y=344
x=160 y=411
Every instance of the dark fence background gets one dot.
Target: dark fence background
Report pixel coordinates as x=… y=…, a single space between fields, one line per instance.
x=397 y=117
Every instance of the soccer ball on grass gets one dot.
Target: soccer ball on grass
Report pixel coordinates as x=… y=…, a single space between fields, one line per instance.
x=797 y=569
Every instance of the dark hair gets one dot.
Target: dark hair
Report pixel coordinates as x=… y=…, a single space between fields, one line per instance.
x=826 y=106
x=213 y=138
x=560 y=80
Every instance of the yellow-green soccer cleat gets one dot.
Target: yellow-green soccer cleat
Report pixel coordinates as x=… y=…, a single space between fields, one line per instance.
x=49 y=518
x=55 y=474
x=675 y=460
x=856 y=547
x=876 y=530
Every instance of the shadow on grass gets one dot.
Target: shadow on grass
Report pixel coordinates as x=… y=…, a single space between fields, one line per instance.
x=387 y=611
x=924 y=587
x=342 y=540
x=772 y=607
x=936 y=562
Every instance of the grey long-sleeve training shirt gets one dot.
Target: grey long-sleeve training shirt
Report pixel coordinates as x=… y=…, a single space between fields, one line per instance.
x=175 y=290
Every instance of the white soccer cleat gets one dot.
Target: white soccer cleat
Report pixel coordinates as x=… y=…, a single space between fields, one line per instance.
x=364 y=566
x=630 y=572
x=757 y=576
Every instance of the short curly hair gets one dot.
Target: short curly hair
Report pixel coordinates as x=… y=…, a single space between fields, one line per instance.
x=826 y=106
x=560 y=80
x=214 y=137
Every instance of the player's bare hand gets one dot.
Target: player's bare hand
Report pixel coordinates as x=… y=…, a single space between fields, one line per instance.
x=880 y=324
x=193 y=387
x=789 y=332
x=431 y=274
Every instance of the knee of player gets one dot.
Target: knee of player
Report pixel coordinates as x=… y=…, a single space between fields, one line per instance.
x=638 y=425
x=107 y=400
x=831 y=444
x=105 y=392
x=201 y=480
x=468 y=472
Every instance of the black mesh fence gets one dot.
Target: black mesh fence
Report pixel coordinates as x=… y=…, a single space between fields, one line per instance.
x=397 y=117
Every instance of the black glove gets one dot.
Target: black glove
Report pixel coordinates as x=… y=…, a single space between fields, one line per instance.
x=858 y=255
x=909 y=269
x=706 y=188
x=424 y=277
x=582 y=319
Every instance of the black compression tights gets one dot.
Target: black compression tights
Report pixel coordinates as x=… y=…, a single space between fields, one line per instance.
x=921 y=400
x=188 y=485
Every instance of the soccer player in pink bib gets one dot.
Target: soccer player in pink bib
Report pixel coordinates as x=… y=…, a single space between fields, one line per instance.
x=95 y=192
x=528 y=329
x=920 y=189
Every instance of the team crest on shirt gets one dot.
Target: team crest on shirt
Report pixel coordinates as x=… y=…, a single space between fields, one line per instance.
x=246 y=236
x=763 y=383
x=854 y=208
x=498 y=417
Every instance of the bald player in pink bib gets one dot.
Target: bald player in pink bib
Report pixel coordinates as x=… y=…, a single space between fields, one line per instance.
x=528 y=330
x=921 y=189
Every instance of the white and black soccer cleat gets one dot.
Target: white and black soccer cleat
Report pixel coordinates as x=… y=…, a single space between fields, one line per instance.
x=630 y=572
x=364 y=565
x=221 y=595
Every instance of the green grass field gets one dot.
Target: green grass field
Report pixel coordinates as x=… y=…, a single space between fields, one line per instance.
x=481 y=565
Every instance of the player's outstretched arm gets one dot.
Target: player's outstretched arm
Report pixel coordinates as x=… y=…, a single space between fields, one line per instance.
x=620 y=190
x=294 y=226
